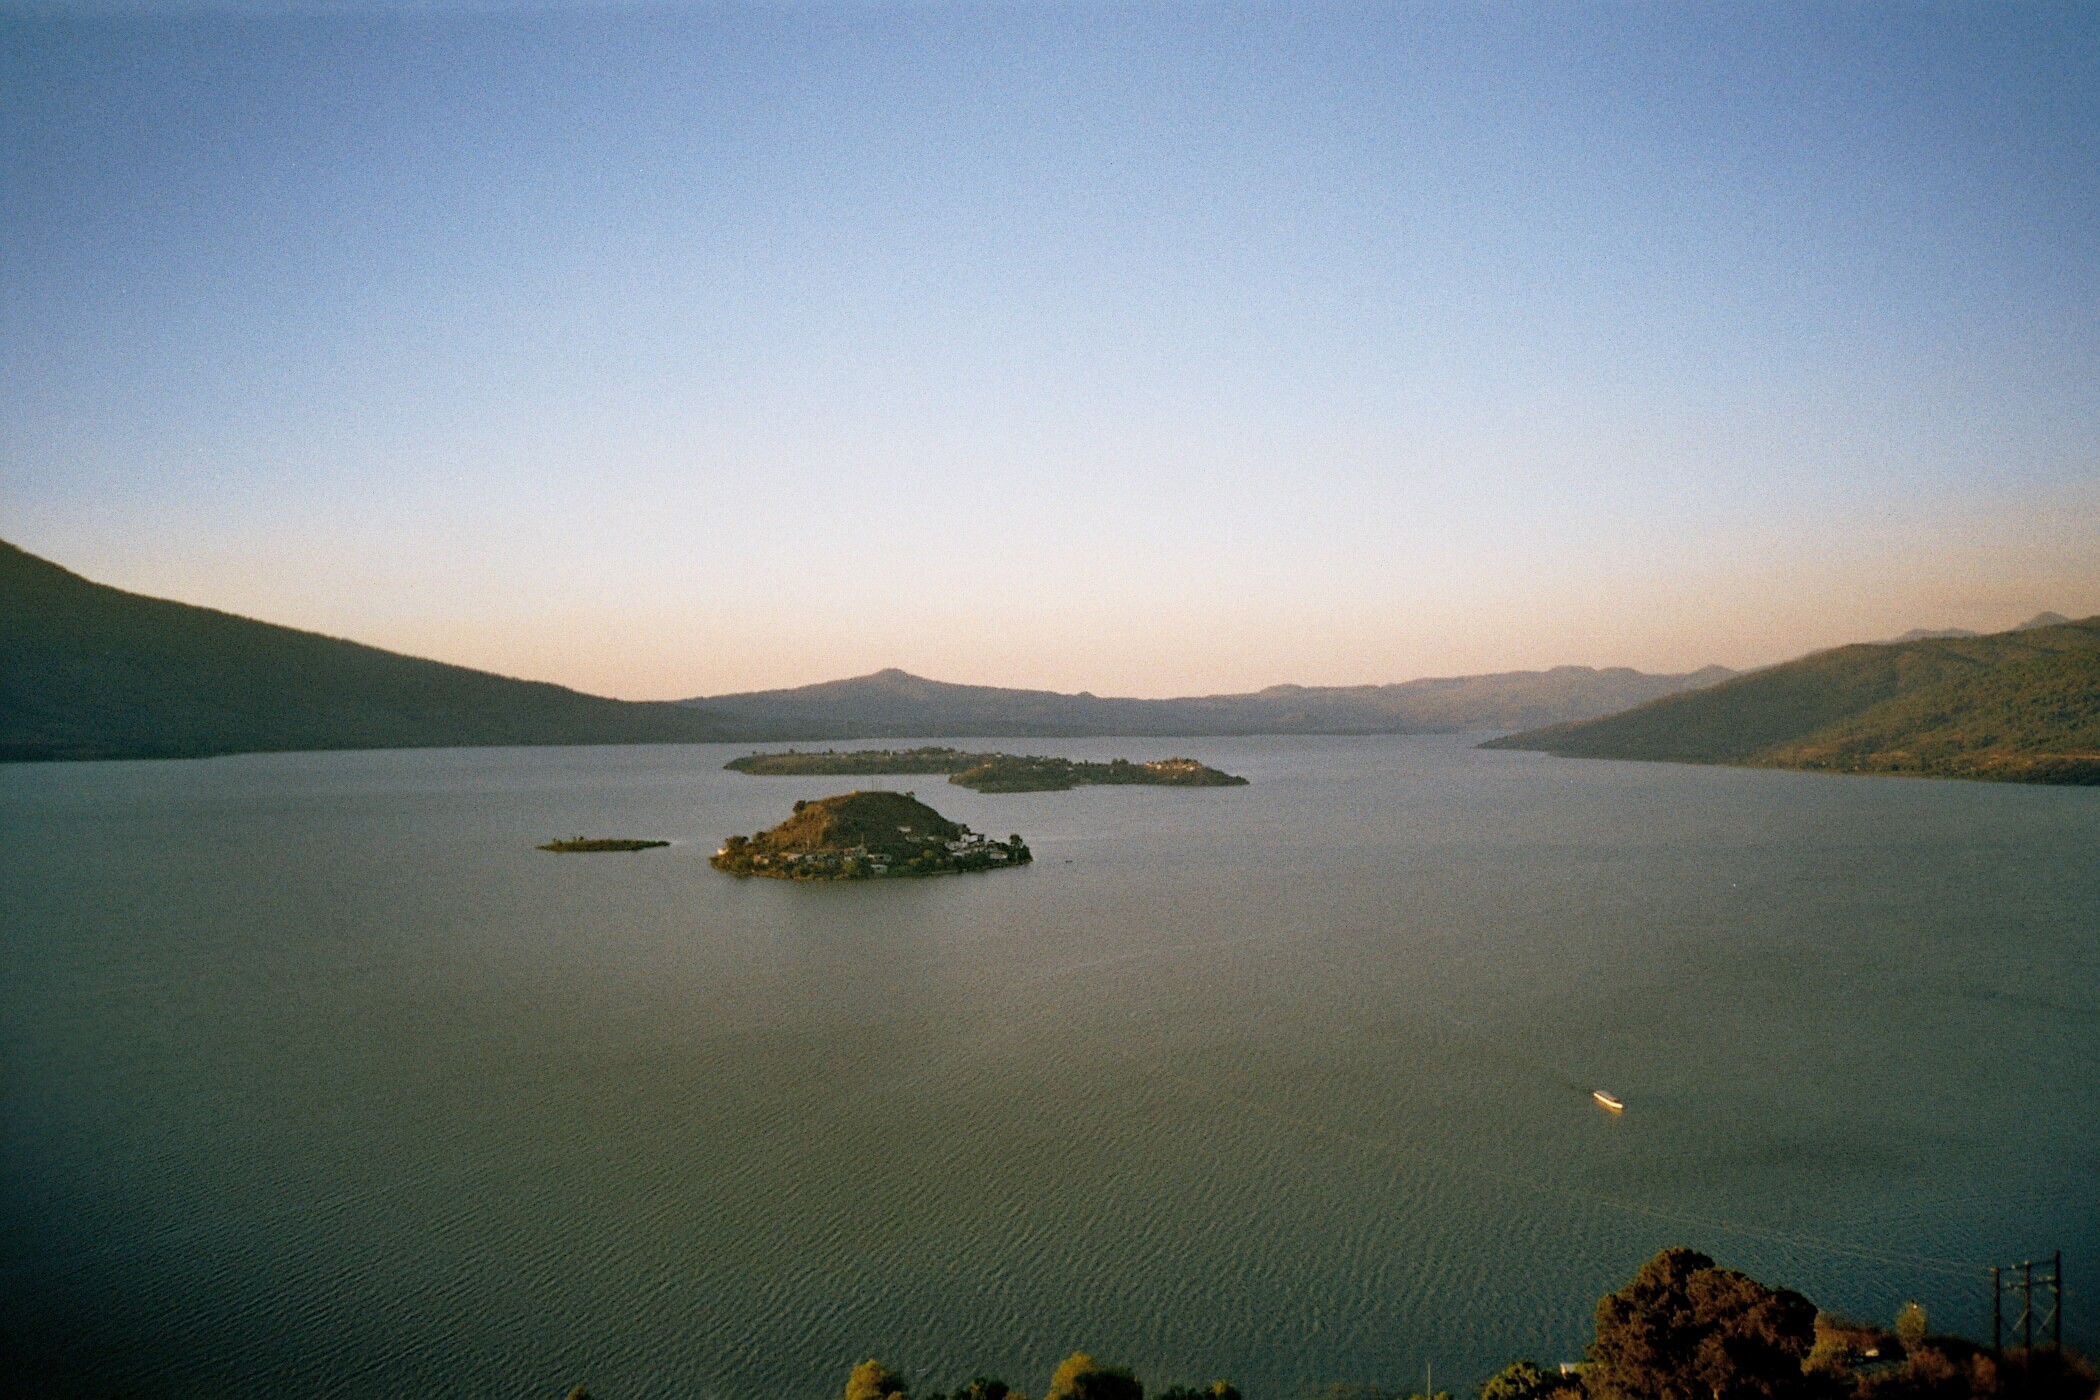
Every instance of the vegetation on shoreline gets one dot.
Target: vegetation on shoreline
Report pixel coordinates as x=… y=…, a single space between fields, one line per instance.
x=989 y=772
x=1682 y=1329
x=579 y=844
x=866 y=836
x=2020 y=706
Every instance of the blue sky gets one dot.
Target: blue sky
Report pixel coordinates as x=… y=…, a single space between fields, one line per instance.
x=665 y=350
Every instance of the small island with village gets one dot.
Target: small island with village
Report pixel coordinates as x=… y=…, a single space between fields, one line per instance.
x=866 y=836
x=989 y=772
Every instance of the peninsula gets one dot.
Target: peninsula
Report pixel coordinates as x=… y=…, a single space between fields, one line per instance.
x=2021 y=706
x=990 y=772
x=864 y=836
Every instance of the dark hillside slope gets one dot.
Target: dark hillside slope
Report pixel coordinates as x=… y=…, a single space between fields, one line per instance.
x=2024 y=692
x=89 y=671
x=2036 y=720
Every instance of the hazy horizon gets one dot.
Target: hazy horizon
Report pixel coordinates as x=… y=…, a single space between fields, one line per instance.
x=665 y=351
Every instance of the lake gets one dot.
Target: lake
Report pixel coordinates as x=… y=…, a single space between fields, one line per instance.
x=319 y=1079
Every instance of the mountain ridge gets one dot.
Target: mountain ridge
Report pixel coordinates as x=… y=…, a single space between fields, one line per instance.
x=2020 y=705
x=88 y=671
x=895 y=704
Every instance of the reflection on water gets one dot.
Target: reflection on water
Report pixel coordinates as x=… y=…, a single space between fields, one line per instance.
x=320 y=1079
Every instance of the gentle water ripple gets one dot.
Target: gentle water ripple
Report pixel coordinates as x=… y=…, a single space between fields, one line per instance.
x=319 y=1080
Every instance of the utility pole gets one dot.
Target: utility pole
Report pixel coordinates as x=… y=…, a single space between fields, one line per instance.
x=2000 y=1284
x=2027 y=1306
x=2056 y=1301
x=1997 y=1315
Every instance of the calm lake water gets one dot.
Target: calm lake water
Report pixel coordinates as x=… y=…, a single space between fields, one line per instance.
x=318 y=1079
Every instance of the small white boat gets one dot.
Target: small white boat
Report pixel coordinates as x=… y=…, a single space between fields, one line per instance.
x=1610 y=1101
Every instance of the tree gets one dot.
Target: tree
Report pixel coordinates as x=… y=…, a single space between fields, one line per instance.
x=1216 y=1390
x=1910 y=1326
x=1686 y=1330
x=871 y=1380
x=1080 y=1377
x=1519 y=1380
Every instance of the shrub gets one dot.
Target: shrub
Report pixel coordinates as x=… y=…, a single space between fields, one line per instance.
x=1683 y=1327
x=871 y=1380
x=1080 y=1377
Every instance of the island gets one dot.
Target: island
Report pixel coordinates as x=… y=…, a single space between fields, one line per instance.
x=586 y=844
x=990 y=772
x=866 y=836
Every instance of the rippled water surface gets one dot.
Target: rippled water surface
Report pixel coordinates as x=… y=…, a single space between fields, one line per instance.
x=319 y=1079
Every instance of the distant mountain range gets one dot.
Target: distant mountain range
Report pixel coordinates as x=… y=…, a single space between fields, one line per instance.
x=897 y=705
x=89 y=671
x=2020 y=706
x=2042 y=619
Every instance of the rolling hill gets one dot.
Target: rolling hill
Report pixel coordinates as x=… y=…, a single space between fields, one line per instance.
x=896 y=705
x=2022 y=705
x=89 y=671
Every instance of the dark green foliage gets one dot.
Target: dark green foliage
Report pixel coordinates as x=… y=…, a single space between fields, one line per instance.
x=1080 y=1377
x=1027 y=773
x=88 y=671
x=980 y=1388
x=1523 y=1380
x=864 y=835
x=989 y=772
x=1216 y=1390
x=1953 y=1368
x=1842 y=1345
x=585 y=844
x=1910 y=1326
x=871 y=1380
x=856 y=762
x=1686 y=1330
x=2020 y=706
x=1683 y=1329
x=2031 y=720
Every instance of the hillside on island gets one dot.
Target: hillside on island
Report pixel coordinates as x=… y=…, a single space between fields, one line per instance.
x=990 y=772
x=897 y=705
x=864 y=835
x=2017 y=706
x=90 y=671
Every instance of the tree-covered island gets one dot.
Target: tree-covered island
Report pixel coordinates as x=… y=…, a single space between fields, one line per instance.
x=990 y=772
x=584 y=845
x=866 y=836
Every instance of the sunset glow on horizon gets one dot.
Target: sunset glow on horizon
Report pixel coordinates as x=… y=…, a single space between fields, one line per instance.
x=665 y=351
